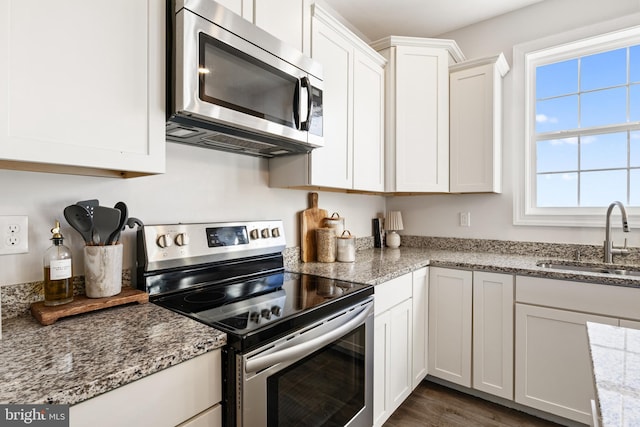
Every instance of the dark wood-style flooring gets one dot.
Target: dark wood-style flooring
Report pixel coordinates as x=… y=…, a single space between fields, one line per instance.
x=432 y=405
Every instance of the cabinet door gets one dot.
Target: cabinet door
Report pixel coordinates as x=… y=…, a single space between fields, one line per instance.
x=553 y=366
x=420 y=298
x=422 y=119
x=450 y=298
x=368 y=124
x=493 y=333
x=475 y=126
x=243 y=8
x=381 y=367
x=391 y=360
x=94 y=104
x=332 y=165
x=399 y=384
x=631 y=324
x=392 y=371
x=288 y=20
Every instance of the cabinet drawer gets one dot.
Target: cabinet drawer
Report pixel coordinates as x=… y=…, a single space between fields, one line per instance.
x=609 y=300
x=166 y=398
x=391 y=293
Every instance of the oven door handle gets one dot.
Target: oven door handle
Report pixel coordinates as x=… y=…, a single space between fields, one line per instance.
x=296 y=352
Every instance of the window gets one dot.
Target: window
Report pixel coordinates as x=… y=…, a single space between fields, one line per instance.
x=582 y=128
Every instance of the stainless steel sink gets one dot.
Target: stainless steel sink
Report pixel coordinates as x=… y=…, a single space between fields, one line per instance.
x=572 y=266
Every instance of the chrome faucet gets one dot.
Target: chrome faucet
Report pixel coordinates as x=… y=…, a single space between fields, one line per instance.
x=609 y=250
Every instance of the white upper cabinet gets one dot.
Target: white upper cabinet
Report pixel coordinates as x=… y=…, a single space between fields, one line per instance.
x=288 y=20
x=352 y=157
x=368 y=123
x=417 y=112
x=82 y=86
x=243 y=8
x=476 y=125
x=331 y=165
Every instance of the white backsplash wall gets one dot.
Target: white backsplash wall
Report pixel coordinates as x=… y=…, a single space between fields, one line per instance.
x=200 y=185
x=492 y=214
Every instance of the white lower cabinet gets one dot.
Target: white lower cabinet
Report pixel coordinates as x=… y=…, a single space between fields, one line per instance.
x=493 y=295
x=450 y=299
x=553 y=368
x=400 y=341
x=471 y=329
x=420 y=303
x=188 y=394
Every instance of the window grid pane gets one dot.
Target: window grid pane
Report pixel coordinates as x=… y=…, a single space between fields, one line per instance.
x=585 y=96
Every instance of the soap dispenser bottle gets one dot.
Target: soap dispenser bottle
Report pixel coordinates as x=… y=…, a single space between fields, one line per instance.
x=58 y=284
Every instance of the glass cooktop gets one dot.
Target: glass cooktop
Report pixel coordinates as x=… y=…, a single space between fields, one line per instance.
x=258 y=309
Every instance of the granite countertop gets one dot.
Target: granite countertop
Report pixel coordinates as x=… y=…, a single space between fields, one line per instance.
x=615 y=356
x=83 y=356
x=375 y=266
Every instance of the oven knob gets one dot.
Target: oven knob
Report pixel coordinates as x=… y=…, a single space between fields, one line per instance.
x=164 y=241
x=254 y=317
x=182 y=239
x=266 y=313
x=276 y=310
x=265 y=233
x=275 y=232
x=254 y=234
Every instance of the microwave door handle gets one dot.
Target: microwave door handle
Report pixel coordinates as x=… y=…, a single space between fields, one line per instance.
x=306 y=83
x=296 y=104
x=296 y=352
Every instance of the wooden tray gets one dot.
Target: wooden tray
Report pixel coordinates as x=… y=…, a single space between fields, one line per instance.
x=81 y=304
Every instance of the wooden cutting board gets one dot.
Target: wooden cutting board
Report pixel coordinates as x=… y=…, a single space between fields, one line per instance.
x=81 y=304
x=310 y=219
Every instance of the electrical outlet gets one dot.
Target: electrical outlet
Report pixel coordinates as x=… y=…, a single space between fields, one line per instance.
x=14 y=236
x=465 y=219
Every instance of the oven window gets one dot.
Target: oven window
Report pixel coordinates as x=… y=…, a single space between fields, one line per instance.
x=326 y=388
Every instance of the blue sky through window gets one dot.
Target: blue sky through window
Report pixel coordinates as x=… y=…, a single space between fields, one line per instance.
x=586 y=97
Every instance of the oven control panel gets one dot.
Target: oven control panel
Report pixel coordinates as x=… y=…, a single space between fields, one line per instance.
x=169 y=245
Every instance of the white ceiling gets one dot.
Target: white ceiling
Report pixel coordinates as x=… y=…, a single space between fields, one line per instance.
x=419 y=18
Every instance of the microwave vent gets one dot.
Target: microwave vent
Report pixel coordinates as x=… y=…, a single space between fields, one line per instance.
x=205 y=134
x=234 y=143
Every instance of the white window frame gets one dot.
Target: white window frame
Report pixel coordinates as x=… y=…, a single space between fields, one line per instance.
x=596 y=38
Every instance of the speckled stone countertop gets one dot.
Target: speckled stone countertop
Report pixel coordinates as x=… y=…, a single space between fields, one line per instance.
x=375 y=266
x=615 y=356
x=83 y=356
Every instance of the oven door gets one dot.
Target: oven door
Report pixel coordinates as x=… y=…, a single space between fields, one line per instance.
x=321 y=375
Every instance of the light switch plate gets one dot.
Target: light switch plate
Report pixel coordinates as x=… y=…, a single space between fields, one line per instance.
x=14 y=236
x=465 y=219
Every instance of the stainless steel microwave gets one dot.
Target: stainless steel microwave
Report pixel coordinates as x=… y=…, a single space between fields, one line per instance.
x=234 y=87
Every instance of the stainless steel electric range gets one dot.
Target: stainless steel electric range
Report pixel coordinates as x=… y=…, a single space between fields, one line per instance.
x=299 y=346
